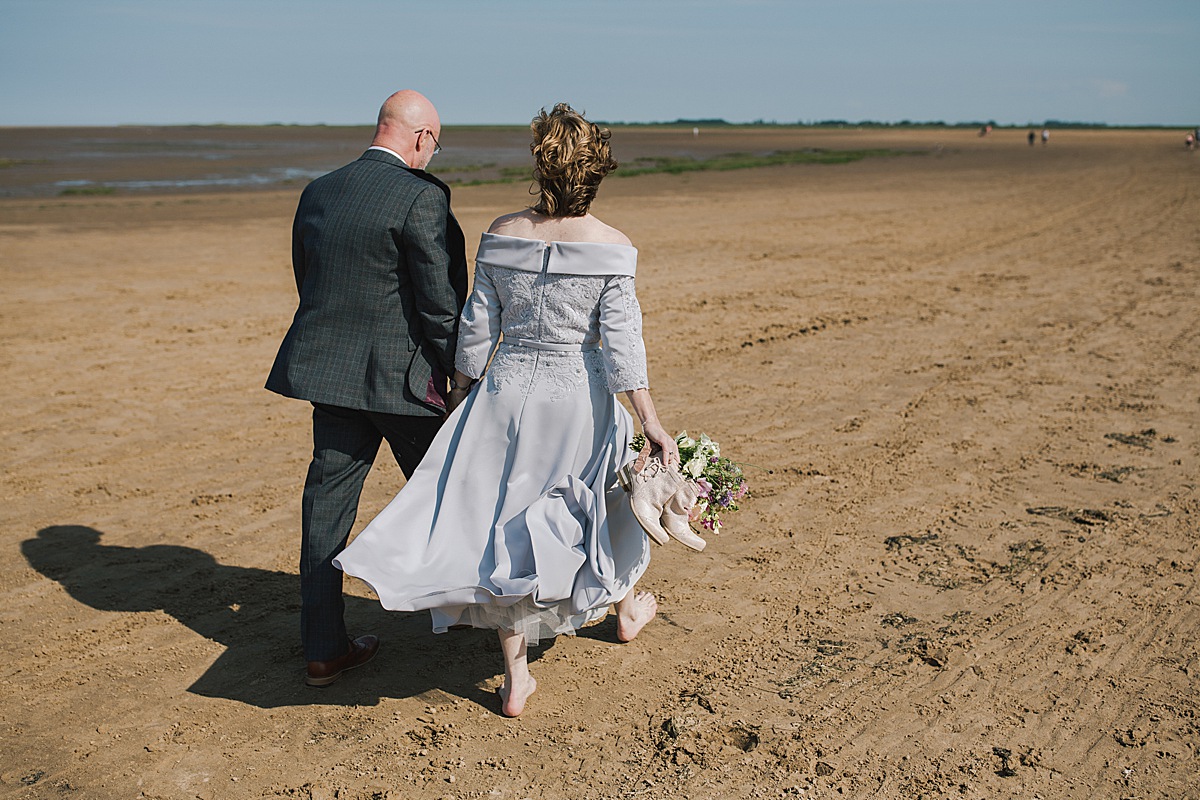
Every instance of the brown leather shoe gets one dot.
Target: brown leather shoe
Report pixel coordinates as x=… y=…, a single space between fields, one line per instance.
x=323 y=673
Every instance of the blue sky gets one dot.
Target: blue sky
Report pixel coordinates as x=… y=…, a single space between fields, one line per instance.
x=103 y=62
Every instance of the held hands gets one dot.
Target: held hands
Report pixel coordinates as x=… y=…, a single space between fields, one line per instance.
x=455 y=397
x=460 y=387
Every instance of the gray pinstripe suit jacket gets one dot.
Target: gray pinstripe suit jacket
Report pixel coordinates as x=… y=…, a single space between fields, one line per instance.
x=381 y=268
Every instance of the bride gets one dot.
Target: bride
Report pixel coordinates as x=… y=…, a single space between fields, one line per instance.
x=514 y=520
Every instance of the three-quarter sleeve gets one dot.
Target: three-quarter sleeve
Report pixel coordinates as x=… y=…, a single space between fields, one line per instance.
x=479 y=328
x=621 y=334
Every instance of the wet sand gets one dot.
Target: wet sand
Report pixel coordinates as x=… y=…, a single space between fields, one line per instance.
x=971 y=571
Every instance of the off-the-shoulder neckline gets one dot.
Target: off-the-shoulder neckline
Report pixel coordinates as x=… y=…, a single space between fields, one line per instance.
x=548 y=242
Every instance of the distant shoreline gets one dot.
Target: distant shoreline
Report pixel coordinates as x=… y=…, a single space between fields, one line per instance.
x=145 y=160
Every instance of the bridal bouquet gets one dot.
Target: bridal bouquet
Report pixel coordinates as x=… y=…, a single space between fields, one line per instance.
x=718 y=479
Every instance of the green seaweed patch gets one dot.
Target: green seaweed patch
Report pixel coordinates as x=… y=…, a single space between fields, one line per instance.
x=460 y=169
x=88 y=191
x=651 y=165
x=9 y=163
x=506 y=175
x=731 y=161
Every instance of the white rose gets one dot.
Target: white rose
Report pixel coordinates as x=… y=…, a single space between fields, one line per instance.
x=695 y=467
x=683 y=440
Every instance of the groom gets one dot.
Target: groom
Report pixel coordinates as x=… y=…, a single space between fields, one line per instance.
x=381 y=269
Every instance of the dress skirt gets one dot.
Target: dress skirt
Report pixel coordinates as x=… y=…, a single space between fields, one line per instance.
x=514 y=519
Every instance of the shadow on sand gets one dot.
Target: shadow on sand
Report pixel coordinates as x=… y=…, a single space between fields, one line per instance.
x=254 y=613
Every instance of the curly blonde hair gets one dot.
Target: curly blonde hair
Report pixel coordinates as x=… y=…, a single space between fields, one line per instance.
x=570 y=158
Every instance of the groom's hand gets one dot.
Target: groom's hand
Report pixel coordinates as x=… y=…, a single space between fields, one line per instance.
x=455 y=397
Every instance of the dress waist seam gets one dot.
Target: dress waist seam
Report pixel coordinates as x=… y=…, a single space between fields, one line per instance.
x=560 y=347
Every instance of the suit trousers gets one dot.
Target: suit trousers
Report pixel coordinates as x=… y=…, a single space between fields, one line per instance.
x=345 y=443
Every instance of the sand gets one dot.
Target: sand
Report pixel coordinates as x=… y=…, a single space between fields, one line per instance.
x=970 y=571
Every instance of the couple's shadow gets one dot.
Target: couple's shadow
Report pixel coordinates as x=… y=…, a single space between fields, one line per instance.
x=254 y=613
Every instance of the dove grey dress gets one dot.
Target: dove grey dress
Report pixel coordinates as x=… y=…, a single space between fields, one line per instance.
x=514 y=518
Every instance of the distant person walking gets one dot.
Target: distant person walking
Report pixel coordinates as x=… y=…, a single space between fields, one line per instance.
x=1032 y=137
x=1190 y=141
x=1045 y=136
x=381 y=271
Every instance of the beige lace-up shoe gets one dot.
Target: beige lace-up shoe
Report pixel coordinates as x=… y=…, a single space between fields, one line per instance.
x=675 y=516
x=649 y=492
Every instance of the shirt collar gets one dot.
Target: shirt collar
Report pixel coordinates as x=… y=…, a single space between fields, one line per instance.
x=389 y=152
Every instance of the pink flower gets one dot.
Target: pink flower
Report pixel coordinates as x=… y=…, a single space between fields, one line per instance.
x=741 y=492
x=698 y=510
x=704 y=486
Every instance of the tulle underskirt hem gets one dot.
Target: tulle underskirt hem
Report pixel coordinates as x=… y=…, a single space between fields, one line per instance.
x=523 y=617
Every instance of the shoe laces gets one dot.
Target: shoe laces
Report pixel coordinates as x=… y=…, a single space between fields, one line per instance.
x=652 y=467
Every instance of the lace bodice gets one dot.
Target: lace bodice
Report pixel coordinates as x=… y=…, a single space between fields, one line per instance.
x=554 y=303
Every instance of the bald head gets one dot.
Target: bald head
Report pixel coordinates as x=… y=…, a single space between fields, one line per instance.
x=408 y=124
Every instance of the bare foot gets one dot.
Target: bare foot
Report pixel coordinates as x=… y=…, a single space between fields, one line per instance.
x=512 y=699
x=633 y=614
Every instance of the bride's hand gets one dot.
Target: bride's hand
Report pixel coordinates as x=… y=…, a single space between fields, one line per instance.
x=657 y=435
x=643 y=406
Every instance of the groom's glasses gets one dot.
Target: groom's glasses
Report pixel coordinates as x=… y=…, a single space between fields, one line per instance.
x=437 y=148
